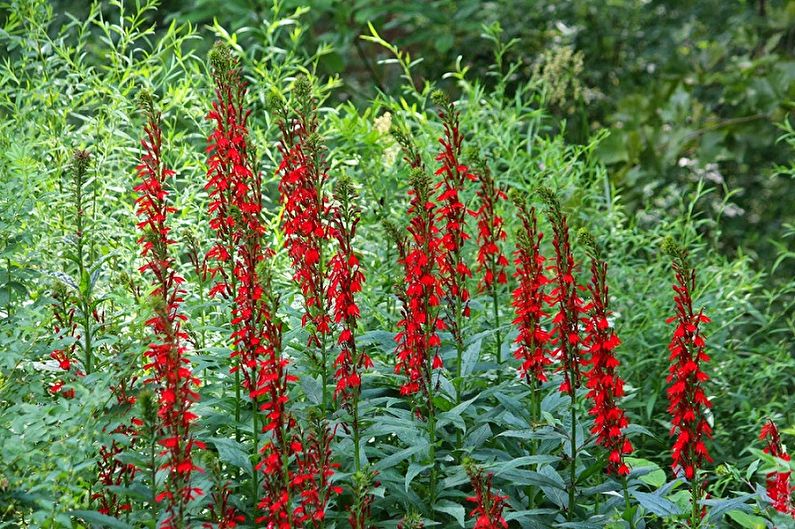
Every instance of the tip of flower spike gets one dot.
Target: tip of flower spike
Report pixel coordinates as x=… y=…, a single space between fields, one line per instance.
x=419 y=181
x=343 y=188
x=440 y=99
x=146 y=100
x=275 y=103
x=671 y=248
x=393 y=232
x=411 y=520
x=221 y=59
x=548 y=196
x=400 y=134
x=589 y=241
x=146 y=400
x=585 y=237
x=302 y=88
x=80 y=160
x=469 y=465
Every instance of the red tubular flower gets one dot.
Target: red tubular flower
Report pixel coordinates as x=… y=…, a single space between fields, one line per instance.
x=687 y=401
x=491 y=259
x=529 y=300
x=303 y=174
x=345 y=281
x=111 y=471
x=64 y=315
x=225 y=516
x=565 y=331
x=228 y=169
x=489 y=506
x=418 y=342
x=453 y=271
x=778 y=483
x=167 y=356
x=604 y=385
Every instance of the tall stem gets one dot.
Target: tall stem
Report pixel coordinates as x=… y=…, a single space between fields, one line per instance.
x=357 y=464
x=254 y=436
x=432 y=450
x=497 y=337
x=87 y=332
x=627 y=504
x=459 y=350
x=695 y=515
x=573 y=468
x=237 y=403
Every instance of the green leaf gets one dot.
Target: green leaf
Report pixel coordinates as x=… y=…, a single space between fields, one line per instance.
x=101 y=520
x=654 y=476
x=749 y=521
x=313 y=388
x=400 y=455
x=414 y=470
x=454 y=415
x=656 y=504
x=470 y=357
x=231 y=452
x=453 y=509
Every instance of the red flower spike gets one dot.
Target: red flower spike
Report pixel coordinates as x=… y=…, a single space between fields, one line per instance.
x=529 y=300
x=303 y=174
x=418 y=341
x=687 y=402
x=564 y=298
x=345 y=280
x=167 y=354
x=778 y=484
x=224 y=515
x=451 y=215
x=111 y=471
x=604 y=385
x=491 y=234
x=489 y=506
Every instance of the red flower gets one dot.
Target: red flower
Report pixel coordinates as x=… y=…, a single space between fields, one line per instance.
x=418 y=341
x=297 y=495
x=604 y=385
x=451 y=215
x=565 y=330
x=491 y=259
x=778 y=483
x=489 y=506
x=529 y=300
x=686 y=397
x=303 y=173
x=345 y=281
x=224 y=515
x=111 y=471
x=167 y=358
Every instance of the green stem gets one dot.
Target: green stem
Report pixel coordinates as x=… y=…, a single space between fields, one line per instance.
x=87 y=332
x=695 y=515
x=498 y=338
x=324 y=374
x=237 y=403
x=357 y=464
x=627 y=504
x=432 y=436
x=8 y=285
x=573 y=471
x=254 y=436
x=153 y=477
x=459 y=351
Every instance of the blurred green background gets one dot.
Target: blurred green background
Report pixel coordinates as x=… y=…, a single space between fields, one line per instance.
x=689 y=90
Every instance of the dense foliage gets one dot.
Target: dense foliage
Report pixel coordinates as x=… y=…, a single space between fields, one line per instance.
x=236 y=293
